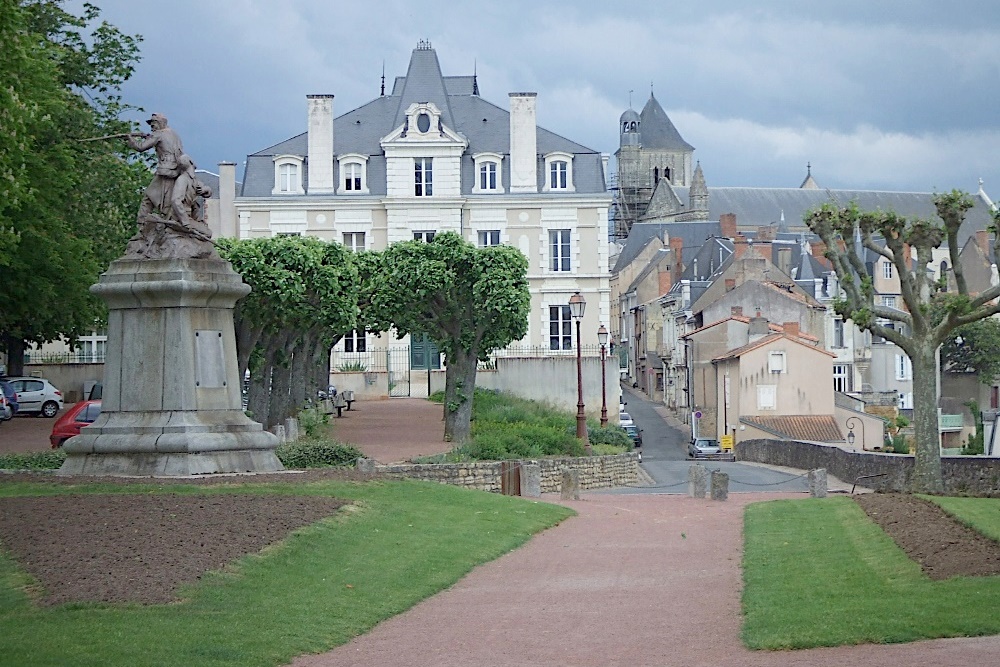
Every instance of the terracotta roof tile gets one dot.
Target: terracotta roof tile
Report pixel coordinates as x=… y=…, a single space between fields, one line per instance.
x=815 y=428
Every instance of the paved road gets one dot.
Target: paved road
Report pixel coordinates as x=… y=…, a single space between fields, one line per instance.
x=664 y=457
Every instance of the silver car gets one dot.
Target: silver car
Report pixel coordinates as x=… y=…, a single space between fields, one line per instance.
x=700 y=447
x=36 y=396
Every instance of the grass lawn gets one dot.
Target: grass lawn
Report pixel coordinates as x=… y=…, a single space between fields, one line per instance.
x=818 y=572
x=400 y=543
x=983 y=514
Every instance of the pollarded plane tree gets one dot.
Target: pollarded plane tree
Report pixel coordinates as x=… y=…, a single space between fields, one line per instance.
x=468 y=300
x=932 y=312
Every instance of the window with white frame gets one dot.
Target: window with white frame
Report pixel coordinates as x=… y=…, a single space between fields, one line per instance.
x=287 y=175
x=354 y=241
x=904 y=367
x=489 y=237
x=838 y=333
x=425 y=235
x=487 y=173
x=423 y=177
x=776 y=362
x=353 y=174
x=560 y=328
x=559 y=172
x=889 y=301
x=906 y=400
x=887 y=269
x=767 y=397
x=842 y=377
x=355 y=341
x=559 y=249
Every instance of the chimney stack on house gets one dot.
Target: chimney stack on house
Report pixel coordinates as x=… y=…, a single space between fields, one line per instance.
x=758 y=327
x=727 y=225
x=677 y=252
x=791 y=329
x=227 y=201
x=320 y=144
x=785 y=260
x=736 y=311
x=523 y=143
x=730 y=284
x=983 y=241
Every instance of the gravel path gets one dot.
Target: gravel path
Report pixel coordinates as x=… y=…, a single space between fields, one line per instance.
x=671 y=598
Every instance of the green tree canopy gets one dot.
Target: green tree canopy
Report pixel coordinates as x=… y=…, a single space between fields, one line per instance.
x=932 y=314
x=468 y=300
x=65 y=206
x=974 y=348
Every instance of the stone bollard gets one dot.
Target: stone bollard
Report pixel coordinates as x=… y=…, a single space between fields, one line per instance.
x=817 y=483
x=697 y=481
x=291 y=429
x=366 y=466
x=570 y=484
x=720 y=485
x=279 y=430
x=531 y=480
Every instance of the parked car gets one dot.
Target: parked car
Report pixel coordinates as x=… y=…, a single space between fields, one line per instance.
x=624 y=419
x=10 y=396
x=6 y=412
x=700 y=447
x=37 y=396
x=634 y=433
x=69 y=424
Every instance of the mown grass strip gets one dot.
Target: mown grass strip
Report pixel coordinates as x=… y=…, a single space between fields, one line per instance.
x=400 y=543
x=982 y=514
x=820 y=573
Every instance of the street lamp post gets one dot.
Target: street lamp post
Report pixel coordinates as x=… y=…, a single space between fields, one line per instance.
x=850 y=433
x=577 y=305
x=602 y=338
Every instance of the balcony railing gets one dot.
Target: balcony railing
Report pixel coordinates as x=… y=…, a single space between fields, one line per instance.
x=950 y=422
x=64 y=357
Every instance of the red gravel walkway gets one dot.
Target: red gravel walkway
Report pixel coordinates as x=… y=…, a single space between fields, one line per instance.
x=633 y=580
x=394 y=429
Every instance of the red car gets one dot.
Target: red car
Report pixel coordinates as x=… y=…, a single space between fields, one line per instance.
x=69 y=424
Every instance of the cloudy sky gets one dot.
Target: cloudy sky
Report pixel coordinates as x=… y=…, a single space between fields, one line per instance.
x=875 y=95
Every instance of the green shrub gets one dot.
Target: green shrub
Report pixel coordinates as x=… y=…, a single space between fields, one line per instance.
x=317 y=454
x=313 y=422
x=47 y=460
x=610 y=435
x=353 y=367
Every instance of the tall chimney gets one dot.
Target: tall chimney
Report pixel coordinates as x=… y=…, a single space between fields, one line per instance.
x=785 y=260
x=227 y=201
x=677 y=250
x=523 y=143
x=983 y=241
x=320 y=144
x=791 y=329
x=727 y=224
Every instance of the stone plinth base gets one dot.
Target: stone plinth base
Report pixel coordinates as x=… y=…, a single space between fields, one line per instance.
x=171 y=400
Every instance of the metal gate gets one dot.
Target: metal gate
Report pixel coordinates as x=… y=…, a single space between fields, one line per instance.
x=397 y=363
x=510 y=478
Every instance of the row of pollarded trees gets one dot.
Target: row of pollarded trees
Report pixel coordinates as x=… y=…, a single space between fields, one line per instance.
x=308 y=293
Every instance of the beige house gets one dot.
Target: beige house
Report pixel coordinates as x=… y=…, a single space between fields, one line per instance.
x=769 y=388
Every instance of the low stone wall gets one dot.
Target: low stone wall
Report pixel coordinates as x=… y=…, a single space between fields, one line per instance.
x=962 y=474
x=596 y=472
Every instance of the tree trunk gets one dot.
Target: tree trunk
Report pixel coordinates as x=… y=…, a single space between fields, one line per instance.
x=15 y=355
x=280 y=379
x=258 y=403
x=299 y=385
x=460 y=385
x=321 y=363
x=246 y=340
x=927 y=450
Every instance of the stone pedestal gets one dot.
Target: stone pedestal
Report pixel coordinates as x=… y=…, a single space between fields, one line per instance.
x=171 y=402
x=697 y=481
x=817 y=483
x=720 y=485
x=531 y=480
x=570 y=489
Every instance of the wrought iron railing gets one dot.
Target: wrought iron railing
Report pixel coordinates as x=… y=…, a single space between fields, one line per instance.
x=63 y=357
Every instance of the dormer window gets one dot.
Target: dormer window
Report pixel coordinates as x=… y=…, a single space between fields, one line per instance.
x=353 y=174
x=487 y=173
x=559 y=172
x=288 y=175
x=423 y=177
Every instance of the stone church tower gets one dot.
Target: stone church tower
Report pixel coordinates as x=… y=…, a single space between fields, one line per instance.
x=650 y=150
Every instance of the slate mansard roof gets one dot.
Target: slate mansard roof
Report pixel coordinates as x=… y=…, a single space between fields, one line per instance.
x=485 y=125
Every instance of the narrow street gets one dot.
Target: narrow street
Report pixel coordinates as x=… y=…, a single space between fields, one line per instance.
x=665 y=460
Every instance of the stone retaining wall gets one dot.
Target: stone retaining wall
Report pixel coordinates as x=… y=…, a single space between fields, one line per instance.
x=596 y=472
x=962 y=474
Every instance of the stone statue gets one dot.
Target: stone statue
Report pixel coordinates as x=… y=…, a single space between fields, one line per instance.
x=171 y=216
